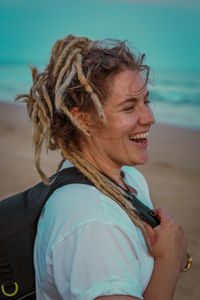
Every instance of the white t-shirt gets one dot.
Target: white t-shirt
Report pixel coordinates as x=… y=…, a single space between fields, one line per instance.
x=86 y=245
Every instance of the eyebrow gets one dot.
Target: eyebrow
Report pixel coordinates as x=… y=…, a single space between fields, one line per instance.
x=132 y=99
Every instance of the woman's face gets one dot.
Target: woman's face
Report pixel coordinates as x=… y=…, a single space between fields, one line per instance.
x=123 y=139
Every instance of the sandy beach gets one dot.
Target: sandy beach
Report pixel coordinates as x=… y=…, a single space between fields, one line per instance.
x=173 y=175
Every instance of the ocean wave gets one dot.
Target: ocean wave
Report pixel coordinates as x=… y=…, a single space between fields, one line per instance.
x=189 y=96
x=175 y=97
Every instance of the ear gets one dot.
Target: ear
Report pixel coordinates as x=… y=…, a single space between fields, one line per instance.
x=81 y=117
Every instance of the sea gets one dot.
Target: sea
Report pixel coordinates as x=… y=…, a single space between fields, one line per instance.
x=174 y=94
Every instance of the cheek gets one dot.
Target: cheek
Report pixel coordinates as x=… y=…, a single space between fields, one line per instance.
x=125 y=124
x=117 y=126
x=121 y=128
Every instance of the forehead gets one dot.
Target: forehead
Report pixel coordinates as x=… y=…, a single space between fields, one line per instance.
x=128 y=83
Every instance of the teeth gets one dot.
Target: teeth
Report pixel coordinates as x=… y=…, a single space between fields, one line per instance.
x=139 y=136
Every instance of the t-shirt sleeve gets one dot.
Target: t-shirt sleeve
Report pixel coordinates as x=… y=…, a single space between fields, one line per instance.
x=101 y=259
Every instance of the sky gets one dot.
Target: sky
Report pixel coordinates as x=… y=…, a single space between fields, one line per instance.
x=168 y=31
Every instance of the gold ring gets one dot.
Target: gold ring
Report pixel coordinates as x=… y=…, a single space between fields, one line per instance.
x=189 y=262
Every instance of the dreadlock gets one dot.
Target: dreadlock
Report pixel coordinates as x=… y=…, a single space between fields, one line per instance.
x=77 y=76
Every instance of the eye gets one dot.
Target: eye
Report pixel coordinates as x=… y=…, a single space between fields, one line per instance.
x=129 y=108
x=147 y=101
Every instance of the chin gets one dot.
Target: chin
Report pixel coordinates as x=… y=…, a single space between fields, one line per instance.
x=140 y=161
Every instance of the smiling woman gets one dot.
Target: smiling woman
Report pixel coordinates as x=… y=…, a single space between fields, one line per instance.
x=91 y=103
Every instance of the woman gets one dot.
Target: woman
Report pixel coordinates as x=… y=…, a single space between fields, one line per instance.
x=91 y=103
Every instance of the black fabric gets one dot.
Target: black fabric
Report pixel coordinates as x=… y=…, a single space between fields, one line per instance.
x=19 y=216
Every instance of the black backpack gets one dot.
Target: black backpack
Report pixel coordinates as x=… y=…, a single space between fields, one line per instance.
x=19 y=216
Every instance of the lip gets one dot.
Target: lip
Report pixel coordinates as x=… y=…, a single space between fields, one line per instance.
x=144 y=145
x=140 y=132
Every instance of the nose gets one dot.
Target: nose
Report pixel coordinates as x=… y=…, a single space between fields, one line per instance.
x=146 y=116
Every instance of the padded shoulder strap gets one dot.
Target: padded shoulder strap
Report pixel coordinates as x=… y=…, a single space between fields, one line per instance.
x=67 y=176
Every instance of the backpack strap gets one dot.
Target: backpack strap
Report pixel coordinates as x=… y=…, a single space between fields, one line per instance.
x=68 y=176
x=41 y=192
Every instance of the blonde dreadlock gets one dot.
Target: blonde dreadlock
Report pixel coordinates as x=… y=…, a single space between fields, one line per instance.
x=67 y=82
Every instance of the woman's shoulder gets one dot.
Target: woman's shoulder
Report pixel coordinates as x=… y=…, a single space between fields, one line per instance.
x=76 y=198
x=66 y=210
x=77 y=206
x=83 y=203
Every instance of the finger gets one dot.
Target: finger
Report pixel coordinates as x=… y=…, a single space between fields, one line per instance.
x=153 y=237
x=163 y=215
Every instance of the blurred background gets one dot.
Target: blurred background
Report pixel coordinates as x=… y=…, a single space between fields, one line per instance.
x=167 y=31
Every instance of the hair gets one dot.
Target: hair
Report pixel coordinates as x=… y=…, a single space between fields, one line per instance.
x=79 y=74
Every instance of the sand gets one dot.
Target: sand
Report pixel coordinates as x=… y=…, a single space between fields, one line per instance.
x=173 y=174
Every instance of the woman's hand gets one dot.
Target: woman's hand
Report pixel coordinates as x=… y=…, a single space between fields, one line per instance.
x=168 y=241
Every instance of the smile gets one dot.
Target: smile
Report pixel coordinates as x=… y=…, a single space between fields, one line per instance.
x=139 y=137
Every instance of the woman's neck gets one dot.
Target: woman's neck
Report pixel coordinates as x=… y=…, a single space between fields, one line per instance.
x=108 y=168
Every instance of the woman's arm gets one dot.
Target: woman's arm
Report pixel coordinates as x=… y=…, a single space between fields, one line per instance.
x=169 y=249
x=162 y=283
